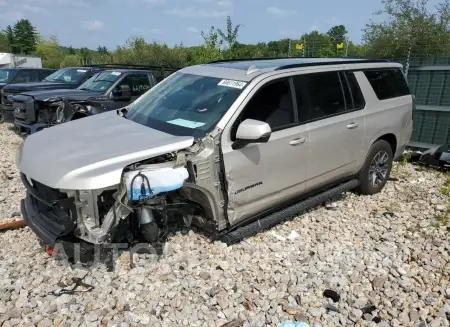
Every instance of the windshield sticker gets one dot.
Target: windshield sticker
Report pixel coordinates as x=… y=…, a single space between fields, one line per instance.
x=230 y=83
x=116 y=73
x=186 y=123
x=81 y=70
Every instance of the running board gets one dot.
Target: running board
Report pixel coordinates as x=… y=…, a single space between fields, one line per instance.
x=271 y=220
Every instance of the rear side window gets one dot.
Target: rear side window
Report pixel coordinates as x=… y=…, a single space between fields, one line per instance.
x=323 y=92
x=388 y=83
x=353 y=95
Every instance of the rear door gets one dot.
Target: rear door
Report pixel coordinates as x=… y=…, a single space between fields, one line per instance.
x=336 y=125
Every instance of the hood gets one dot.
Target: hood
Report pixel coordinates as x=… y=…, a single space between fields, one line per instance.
x=39 y=86
x=69 y=94
x=90 y=153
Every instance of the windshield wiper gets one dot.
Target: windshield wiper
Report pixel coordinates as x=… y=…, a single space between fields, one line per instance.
x=85 y=89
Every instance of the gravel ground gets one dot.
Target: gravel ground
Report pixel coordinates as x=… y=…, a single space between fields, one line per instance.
x=387 y=256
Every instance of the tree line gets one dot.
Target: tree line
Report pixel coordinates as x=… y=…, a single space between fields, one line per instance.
x=410 y=29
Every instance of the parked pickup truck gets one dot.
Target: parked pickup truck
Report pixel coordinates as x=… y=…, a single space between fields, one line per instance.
x=66 y=78
x=106 y=90
x=20 y=75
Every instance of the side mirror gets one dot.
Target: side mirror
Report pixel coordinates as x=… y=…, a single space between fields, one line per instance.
x=251 y=131
x=122 y=93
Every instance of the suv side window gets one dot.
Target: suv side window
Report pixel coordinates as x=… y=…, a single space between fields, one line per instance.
x=353 y=96
x=323 y=92
x=388 y=83
x=23 y=76
x=272 y=104
x=139 y=84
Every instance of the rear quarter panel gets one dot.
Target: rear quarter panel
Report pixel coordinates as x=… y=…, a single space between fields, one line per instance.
x=391 y=116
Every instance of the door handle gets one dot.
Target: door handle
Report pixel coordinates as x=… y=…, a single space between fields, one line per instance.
x=352 y=125
x=298 y=141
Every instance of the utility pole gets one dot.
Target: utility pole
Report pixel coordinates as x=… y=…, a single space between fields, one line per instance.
x=304 y=47
x=289 y=49
x=346 y=47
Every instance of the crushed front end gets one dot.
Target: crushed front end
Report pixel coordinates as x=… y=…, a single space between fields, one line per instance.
x=31 y=115
x=154 y=197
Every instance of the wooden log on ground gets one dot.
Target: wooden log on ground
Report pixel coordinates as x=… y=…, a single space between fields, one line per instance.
x=12 y=224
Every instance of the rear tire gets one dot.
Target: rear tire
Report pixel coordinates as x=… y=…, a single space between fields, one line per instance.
x=376 y=169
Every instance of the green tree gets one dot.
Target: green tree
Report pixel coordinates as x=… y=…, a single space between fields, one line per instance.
x=409 y=28
x=70 y=61
x=12 y=46
x=71 y=50
x=102 y=50
x=49 y=51
x=230 y=35
x=4 y=44
x=338 y=34
x=317 y=44
x=211 y=38
x=24 y=36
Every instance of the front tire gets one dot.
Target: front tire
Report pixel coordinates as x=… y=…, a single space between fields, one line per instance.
x=377 y=167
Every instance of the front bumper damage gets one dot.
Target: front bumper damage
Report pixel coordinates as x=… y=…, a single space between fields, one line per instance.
x=32 y=116
x=7 y=113
x=153 y=197
x=49 y=213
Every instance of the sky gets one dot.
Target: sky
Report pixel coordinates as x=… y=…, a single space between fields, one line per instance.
x=110 y=23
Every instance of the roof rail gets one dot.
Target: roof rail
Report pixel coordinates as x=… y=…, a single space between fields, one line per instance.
x=250 y=59
x=333 y=62
x=130 y=66
x=338 y=60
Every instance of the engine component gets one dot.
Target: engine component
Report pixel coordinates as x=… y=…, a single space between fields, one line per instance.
x=149 y=227
x=145 y=184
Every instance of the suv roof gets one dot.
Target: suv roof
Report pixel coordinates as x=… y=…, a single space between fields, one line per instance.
x=248 y=69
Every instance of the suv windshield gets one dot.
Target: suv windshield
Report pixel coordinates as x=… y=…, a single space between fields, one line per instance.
x=6 y=75
x=67 y=75
x=100 y=81
x=185 y=104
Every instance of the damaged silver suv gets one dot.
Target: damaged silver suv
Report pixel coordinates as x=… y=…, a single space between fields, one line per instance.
x=233 y=147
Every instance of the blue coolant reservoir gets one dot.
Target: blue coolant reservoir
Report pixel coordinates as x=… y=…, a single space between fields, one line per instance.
x=145 y=184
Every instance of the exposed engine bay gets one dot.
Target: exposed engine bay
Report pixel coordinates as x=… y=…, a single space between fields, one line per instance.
x=60 y=110
x=169 y=191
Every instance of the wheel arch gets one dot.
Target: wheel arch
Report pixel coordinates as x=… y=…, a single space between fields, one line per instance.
x=391 y=139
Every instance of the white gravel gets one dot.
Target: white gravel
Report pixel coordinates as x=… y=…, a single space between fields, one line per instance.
x=390 y=251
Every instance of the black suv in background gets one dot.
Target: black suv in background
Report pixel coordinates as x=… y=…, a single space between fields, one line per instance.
x=65 y=78
x=109 y=89
x=21 y=75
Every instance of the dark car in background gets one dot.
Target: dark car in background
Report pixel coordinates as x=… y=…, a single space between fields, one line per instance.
x=106 y=90
x=21 y=75
x=65 y=78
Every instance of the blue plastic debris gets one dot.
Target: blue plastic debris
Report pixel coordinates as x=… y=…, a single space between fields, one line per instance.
x=290 y=323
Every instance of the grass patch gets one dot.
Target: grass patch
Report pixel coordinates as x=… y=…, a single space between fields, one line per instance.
x=445 y=189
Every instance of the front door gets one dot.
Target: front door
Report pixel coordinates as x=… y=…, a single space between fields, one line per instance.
x=260 y=176
x=336 y=125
